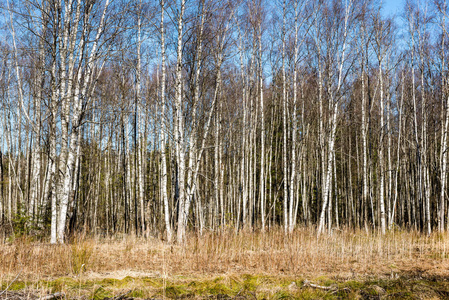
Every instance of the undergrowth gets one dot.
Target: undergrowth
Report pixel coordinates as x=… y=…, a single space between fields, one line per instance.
x=357 y=263
x=223 y=287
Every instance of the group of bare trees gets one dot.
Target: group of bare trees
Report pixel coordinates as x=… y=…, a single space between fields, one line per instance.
x=168 y=116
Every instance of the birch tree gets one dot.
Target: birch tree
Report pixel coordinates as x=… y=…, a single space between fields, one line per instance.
x=335 y=95
x=179 y=129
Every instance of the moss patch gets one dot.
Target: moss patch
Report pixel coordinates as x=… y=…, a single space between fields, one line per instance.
x=15 y=286
x=242 y=287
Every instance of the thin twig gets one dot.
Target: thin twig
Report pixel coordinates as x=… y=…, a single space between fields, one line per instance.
x=238 y=294
x=4 y=291
x=119 y=297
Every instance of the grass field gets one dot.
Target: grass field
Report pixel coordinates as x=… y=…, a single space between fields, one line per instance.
x=248 y=265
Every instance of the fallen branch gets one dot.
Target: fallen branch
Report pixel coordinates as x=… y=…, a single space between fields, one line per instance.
x=122 y=296
x=52 y=296
x=321 y=287
x=4 y=291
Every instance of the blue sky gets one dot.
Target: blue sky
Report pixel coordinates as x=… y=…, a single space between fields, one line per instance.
x=393 y=7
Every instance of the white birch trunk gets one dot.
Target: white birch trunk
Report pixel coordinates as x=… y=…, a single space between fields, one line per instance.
x=443 y=162
x=334 y=105
x=168 y=227
x=381 y=154
x=425 y=169
x=444 y=131
x=390 y=165
x=193 y=159
x=284 y=122
x=262 y=133
x=179 y=131
x=76 y=122
x=35 y=185
x=67 y=62
x=141 y=149
x=291 y=215
x=328 y=175
x=244 y=156
x=364 y=138
x=51 y=188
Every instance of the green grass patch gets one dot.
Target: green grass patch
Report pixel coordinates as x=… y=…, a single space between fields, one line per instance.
x=15 y=286
x=282 y=295
x=153 y=282
x=61 y=284
x=247 y=286
x=138 y=293
x=111 y=282
x=250 y=282
x=177 y=291
x=100 y=293
x=311 y=294
x=352 y=284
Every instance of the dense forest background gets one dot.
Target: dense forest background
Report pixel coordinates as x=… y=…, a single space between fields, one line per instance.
x=163 y=117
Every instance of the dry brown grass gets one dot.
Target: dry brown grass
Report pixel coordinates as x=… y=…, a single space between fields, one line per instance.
x=344 y=254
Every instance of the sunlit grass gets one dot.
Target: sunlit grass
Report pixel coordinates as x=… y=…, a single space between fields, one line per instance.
x=225 y=263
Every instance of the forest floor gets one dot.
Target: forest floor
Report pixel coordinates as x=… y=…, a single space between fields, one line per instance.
x=344 y=265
